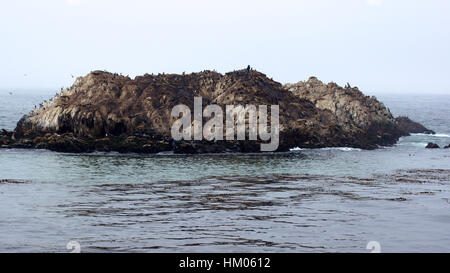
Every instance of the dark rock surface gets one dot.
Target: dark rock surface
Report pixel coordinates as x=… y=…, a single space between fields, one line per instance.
x=109 y=112
x=412 y=127
x=12 y=181
x=6 y=138
x=432 y=146
x=363 y=117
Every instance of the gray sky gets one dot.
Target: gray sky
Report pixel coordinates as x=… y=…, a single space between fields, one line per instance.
x=377 y=45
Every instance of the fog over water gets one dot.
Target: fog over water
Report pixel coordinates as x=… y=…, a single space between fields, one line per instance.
x=398 y=46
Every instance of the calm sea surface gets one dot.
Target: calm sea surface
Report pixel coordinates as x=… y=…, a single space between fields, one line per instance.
x=326 y=200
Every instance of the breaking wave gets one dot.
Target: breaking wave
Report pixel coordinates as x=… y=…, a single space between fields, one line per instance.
x=345 y=149
x=435 y=135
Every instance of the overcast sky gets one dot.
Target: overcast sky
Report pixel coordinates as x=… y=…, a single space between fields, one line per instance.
x=378 y=45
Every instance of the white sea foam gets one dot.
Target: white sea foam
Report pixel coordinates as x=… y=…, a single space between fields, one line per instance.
x=166 y=153
x=413 y=144
x=345 y=149
x=435 y=135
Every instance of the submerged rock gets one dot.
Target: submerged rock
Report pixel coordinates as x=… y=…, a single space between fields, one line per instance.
x=12 y=181
x=432 y=146
x=447 y=147
x=109 y=112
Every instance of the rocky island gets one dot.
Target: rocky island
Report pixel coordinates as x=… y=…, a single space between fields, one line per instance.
x=109 y=112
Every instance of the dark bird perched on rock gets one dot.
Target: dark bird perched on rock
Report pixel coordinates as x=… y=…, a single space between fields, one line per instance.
x=432 y=146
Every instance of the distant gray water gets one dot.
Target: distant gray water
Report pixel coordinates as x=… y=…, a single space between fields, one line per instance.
x=326 y=200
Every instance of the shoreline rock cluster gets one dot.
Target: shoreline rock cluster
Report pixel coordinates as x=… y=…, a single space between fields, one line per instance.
x=432 y=145
x=110 y=112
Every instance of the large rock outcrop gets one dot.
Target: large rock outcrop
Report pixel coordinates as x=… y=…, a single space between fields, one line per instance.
x=363 y=117
x=407 y=125
x=109 y=112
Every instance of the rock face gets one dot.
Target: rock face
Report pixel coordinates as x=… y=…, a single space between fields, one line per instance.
x=412 y=127
x=5 y=138
x=109 y=112
x=351 y=107
x=363 y=117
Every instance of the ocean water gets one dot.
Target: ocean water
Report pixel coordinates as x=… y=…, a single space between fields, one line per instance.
x=324 y=200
